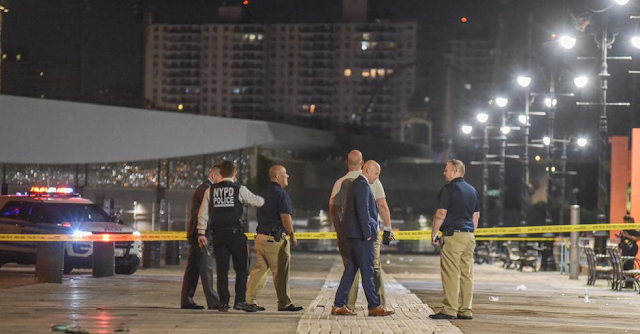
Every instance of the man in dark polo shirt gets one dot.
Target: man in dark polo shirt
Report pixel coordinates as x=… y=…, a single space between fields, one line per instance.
x=273 y=250
x=457 y=217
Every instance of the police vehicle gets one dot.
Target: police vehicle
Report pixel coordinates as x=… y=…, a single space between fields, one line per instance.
x=58 y=210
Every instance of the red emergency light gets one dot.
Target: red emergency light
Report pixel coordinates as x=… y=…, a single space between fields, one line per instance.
x=51 y=190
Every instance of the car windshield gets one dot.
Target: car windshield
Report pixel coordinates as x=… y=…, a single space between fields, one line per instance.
x=72 y=212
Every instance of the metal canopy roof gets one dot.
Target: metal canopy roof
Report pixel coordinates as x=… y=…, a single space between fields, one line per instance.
x=59 y=132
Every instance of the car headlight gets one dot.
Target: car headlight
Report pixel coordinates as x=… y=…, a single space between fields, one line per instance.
x=80 y=234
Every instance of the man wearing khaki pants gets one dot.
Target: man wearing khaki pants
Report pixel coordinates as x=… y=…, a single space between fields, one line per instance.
x=457 y=217
x=273 y=251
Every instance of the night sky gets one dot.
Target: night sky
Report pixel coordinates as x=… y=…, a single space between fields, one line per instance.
x=52 y=30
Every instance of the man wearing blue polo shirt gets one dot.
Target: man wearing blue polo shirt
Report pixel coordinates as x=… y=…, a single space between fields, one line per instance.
x=457 y=217
x=273 y=250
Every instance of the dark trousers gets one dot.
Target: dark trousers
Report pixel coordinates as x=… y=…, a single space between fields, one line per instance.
x=199 y=266
x=360 y=257
x=228 y=244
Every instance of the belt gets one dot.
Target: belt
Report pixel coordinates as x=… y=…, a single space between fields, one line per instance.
x=448 y=233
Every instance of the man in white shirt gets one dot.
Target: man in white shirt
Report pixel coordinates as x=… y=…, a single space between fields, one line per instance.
x=336 y=205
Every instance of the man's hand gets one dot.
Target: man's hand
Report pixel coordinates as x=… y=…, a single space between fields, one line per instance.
x=392 y=236
x=202 y=241
x=436 y=240
x=369 y=238
x=293 y=240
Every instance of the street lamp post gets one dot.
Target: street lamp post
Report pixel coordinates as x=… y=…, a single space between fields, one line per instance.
x=502 y=103
x=604 y=43
x=581 y=142
x=482 y=118
x=485 y=176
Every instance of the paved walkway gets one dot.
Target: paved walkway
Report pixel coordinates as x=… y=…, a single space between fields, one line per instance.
x=412 y=315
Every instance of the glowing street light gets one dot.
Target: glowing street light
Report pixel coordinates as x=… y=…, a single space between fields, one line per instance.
x=622 y=2
x=505 y=130
x=522 y=119
x=466 y=129
x=580 y=81
x=546 y=141
x=549 y=102
x=482 y=117
x=524 y=81
x=582 y=142
x=635 y=41
x=502 y=102
x=568 y=42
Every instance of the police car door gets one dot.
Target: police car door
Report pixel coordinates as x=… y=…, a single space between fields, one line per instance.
x=13 y=215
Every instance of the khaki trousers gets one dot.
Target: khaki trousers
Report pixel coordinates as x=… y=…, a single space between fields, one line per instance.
x=456 y=267
x=377 y=281
x=274 y=256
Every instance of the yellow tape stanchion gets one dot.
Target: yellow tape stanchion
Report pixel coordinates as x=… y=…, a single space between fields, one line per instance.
x=481 y=234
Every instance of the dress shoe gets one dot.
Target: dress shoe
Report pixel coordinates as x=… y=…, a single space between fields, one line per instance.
x=380 y=312
x=342 y=310
x=244 y=307
x=291 y=308
x=464 y=317
x=192 y=307
x=214 y=307
x=224 y=307
x=442 y=316
x=257 y=307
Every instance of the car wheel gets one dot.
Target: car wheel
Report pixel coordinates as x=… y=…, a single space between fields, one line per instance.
x=126 y=270
x=67 y=265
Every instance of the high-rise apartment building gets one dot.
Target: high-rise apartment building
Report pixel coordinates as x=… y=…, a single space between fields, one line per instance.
x=355 y=72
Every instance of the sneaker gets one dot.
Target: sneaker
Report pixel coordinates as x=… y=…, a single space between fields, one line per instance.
x=291 y=308
x=244 y=307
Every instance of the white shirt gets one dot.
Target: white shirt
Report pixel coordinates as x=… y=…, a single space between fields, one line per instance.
x=376 y=187
x=246 y=197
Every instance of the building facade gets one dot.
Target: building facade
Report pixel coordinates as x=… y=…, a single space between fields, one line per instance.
x=359 y=73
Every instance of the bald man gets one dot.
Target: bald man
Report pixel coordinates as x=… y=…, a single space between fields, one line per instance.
x=360 y=227
x=273 y=250
x=336 y=206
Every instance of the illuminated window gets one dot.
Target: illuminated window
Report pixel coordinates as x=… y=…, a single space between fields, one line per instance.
x=366 y=36
x=381 y=72
x=373 y=72
x=312 y=108
x=347 y=72
x=364 y=45
x=180 y=107
x=365 y=74
x=18 y=57
x=41 y=74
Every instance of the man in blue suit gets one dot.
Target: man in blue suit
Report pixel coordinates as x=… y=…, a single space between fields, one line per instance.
x=360 y=226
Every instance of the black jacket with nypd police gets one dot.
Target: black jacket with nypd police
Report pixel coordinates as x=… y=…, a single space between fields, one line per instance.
x=223 y=206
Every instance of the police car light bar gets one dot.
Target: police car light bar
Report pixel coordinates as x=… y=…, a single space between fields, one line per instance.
x=51 y=190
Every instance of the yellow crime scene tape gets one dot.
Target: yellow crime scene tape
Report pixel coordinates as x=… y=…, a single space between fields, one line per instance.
x=399 y=235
